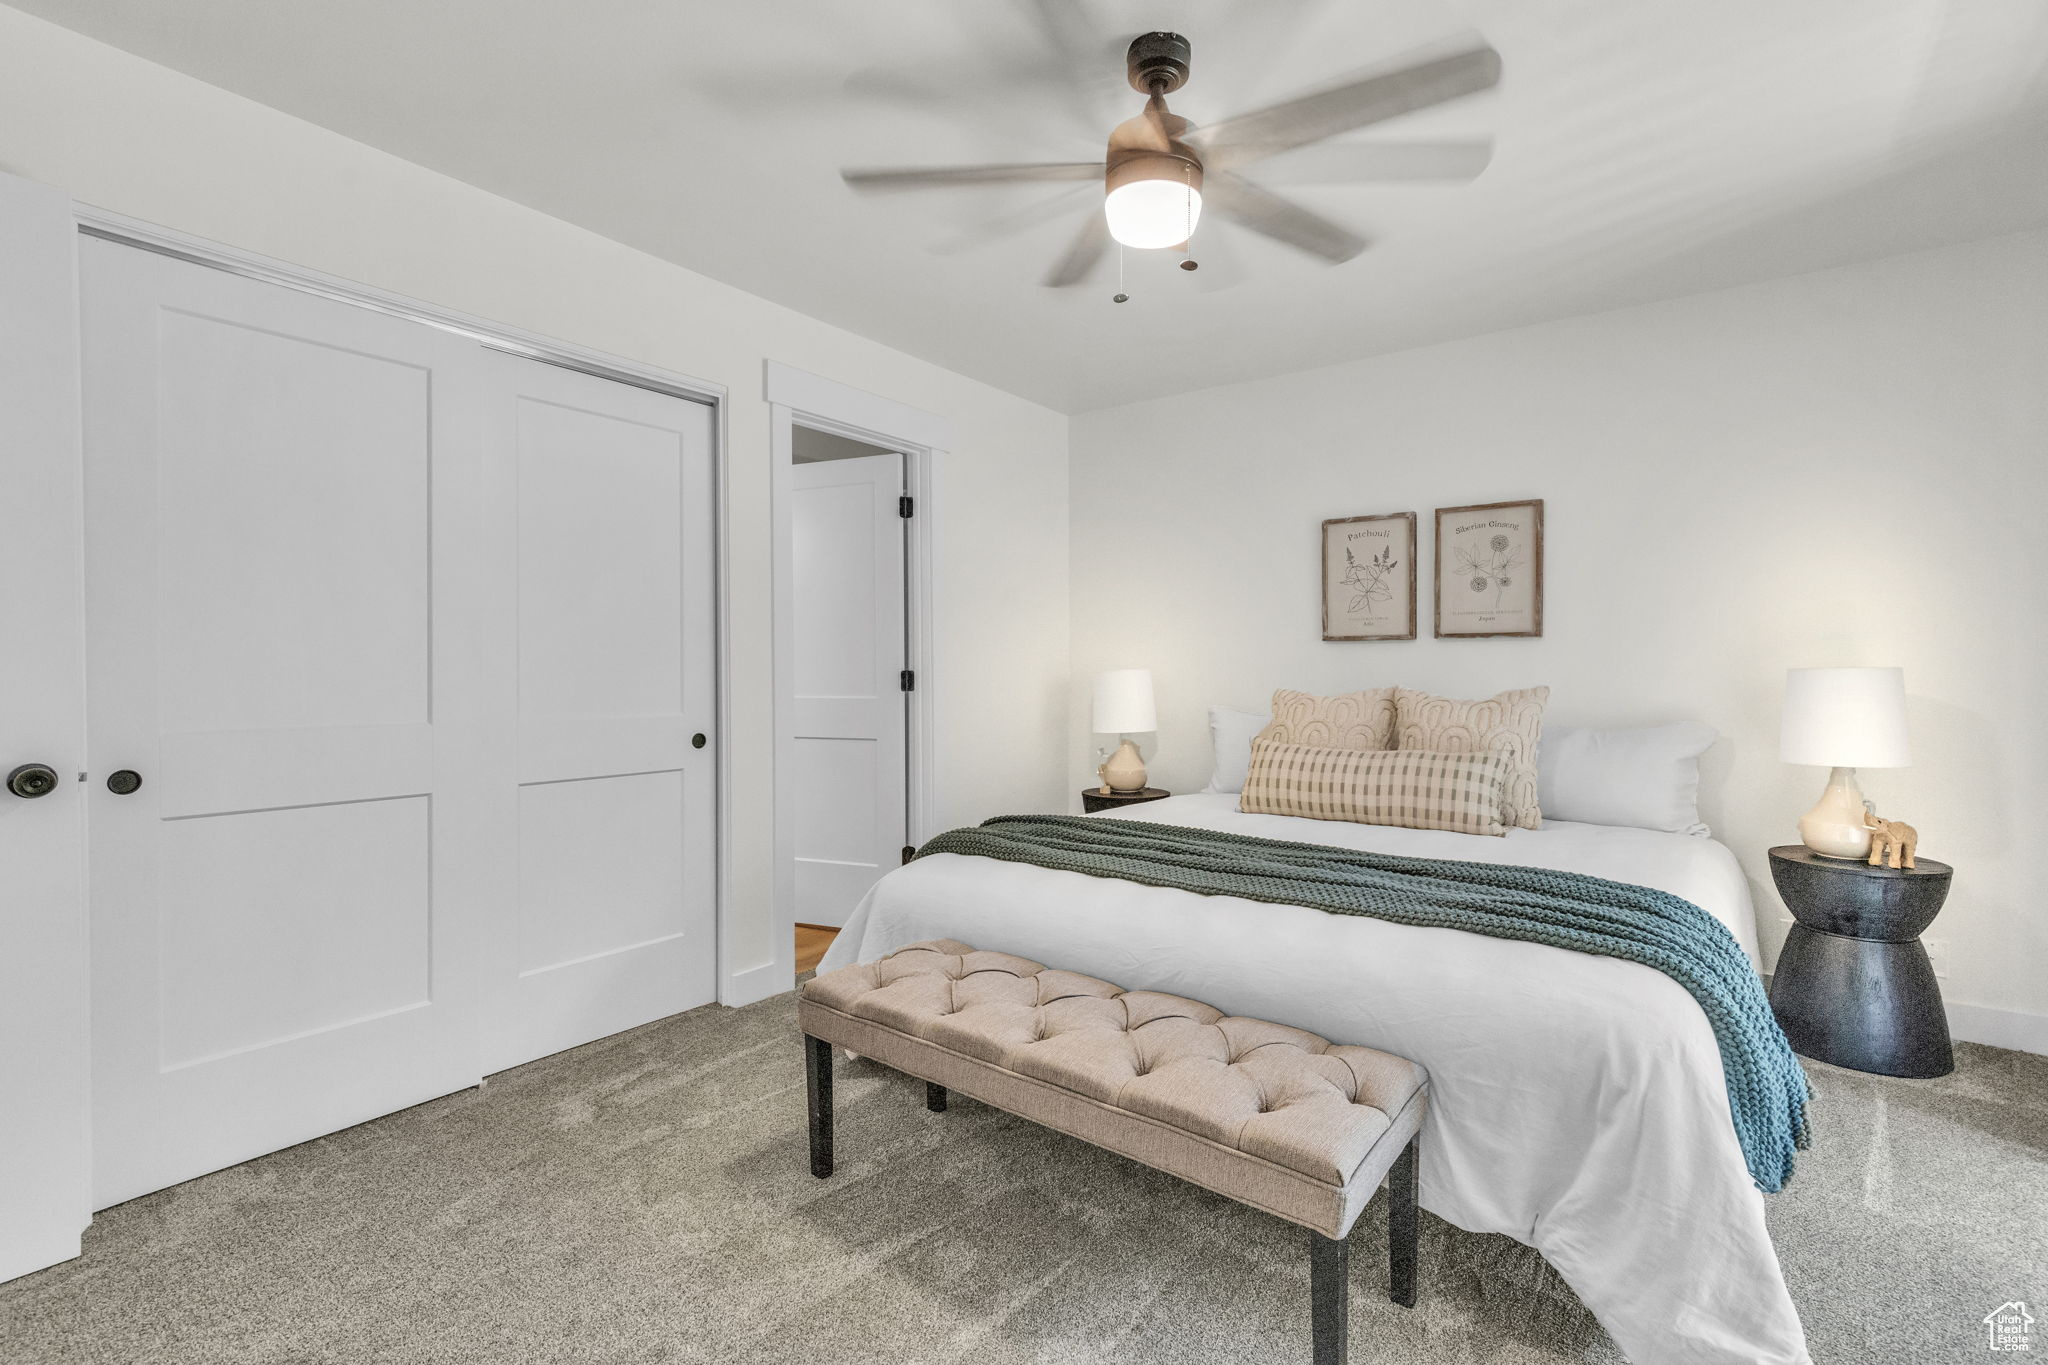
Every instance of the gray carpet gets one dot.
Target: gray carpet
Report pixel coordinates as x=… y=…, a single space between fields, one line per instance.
x=646 y=1198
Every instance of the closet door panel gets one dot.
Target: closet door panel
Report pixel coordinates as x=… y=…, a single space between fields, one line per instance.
x=357 y=943
x=610 y=491
x=602 y=516
x=600 y=868
x=294 y=491
x=286 y=913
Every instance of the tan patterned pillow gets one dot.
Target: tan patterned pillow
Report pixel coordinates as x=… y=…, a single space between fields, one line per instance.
x=1355 y=720
x=1406 y=787
x=1511 y=722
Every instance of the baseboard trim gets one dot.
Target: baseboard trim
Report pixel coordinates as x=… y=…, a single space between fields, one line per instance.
x=2015 y=1029
x=25 y=1256
x=756 y=983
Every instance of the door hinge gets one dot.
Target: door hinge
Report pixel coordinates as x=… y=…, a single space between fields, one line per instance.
x=908 y=679
x=908 y=853
x=905 y=505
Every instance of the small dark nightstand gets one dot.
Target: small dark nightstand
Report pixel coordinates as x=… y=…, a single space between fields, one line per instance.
x=1092 y=799
x=1854 y=986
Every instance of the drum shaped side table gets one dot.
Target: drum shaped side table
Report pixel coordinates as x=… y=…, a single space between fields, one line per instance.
x=1854 y=986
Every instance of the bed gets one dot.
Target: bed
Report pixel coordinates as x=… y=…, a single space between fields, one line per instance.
x=1579 y=1104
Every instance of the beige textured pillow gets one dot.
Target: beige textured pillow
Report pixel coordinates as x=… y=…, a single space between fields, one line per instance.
x=1511 y=722
x=1407 y=787
x=1355 y=720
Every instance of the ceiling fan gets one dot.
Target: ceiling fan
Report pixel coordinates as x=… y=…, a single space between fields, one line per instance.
x=1161 y=172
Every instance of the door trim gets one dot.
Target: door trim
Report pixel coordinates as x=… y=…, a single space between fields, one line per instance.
x=800 y=398
x=45 y=1015
x=116 y=227
x=733 y=987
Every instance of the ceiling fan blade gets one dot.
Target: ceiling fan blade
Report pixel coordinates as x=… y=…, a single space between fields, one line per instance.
x=1088 y=247
x=1064 y=204
x=1360 y=163
x=1297 y=122
x=938 y=177
x=1283 y=220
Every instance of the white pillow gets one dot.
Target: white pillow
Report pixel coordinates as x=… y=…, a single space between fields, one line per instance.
x=1230 y=739
x=1648 y=777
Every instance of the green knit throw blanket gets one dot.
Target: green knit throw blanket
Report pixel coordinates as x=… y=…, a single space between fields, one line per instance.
x=1767 y=1091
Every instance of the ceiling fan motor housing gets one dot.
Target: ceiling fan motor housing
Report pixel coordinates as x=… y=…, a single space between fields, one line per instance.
x=1158 y=63
x=1151 y=147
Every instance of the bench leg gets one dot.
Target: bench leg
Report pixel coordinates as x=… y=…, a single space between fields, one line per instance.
x=1404 y=1227
x=1329 y=1282
x=935 y=1097
x=818 y=1089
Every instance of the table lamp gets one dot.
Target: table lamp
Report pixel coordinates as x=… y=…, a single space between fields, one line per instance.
x=1842 y=719
x=1123 y=706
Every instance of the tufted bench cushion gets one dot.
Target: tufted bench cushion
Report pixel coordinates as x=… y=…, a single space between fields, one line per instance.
x=1272 y=1116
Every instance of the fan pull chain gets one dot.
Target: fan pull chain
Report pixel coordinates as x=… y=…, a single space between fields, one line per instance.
x=1189 y=262
x=1120 y=296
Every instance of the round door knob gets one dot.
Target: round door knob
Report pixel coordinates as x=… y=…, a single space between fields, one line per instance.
x=31 y=780
x=696 y=741
x=126 y=782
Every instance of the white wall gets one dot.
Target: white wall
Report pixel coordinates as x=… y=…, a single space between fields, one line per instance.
x=120 y=133
x=1839 y=468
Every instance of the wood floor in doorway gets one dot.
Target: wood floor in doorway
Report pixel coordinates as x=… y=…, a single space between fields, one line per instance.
x=811 y=942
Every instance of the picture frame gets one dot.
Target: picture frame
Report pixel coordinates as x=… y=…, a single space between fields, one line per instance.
x=1369 y=577
x=1489 y=570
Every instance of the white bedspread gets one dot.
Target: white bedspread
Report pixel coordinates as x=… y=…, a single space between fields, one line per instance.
x=1577 y=1101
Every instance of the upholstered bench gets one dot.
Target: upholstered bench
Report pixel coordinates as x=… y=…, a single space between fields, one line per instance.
x=1271 y=1116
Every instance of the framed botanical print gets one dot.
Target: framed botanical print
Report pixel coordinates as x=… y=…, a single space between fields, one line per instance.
x=1489 y=570
x=1369 y=577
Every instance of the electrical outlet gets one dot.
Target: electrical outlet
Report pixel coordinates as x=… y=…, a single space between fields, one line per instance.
x=1937 y=953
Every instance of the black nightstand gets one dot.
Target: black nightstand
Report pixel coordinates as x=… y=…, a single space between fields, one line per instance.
x=1854 y=986
x=1092 y=799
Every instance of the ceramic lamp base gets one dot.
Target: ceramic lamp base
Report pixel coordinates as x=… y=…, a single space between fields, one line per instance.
x=1125 y=771
x=1834 y=828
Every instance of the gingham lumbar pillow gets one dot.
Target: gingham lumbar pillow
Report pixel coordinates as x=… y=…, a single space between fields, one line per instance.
x=1510 y=722
x=1411 y=788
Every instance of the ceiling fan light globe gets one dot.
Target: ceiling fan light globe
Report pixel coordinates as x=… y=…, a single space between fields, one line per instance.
x=1151 y=214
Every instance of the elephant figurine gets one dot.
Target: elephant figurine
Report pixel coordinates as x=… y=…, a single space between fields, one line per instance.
x=1891 y=841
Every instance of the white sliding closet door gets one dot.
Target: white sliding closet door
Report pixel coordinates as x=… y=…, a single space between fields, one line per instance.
x=846 y=540
x=284 y=497
x=607 y=919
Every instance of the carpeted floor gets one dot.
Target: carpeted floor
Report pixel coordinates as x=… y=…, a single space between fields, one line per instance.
x=646 y=1198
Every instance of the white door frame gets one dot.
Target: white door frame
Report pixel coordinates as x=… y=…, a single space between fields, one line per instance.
x=800 y=398
x=45 y=1022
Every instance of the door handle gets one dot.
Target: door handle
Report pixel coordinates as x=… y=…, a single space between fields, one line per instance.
x=31 y=780
x=125 y=782
x=696 y=741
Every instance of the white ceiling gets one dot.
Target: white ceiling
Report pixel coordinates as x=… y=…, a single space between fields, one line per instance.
x=1644 y=149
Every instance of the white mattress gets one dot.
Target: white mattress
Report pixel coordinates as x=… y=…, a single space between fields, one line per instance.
x=1577 y=1101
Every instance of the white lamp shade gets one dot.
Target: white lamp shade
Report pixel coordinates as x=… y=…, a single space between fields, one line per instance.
x=1153 y=213
x=1845 y=718
x=1123 y=702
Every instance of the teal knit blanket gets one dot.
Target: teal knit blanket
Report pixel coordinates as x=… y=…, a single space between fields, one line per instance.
x=1767 y=1091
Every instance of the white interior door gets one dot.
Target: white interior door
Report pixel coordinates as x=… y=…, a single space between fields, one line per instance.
x=608 y=494
x=846 y=538
x=45 y=1194
x=284 y=495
